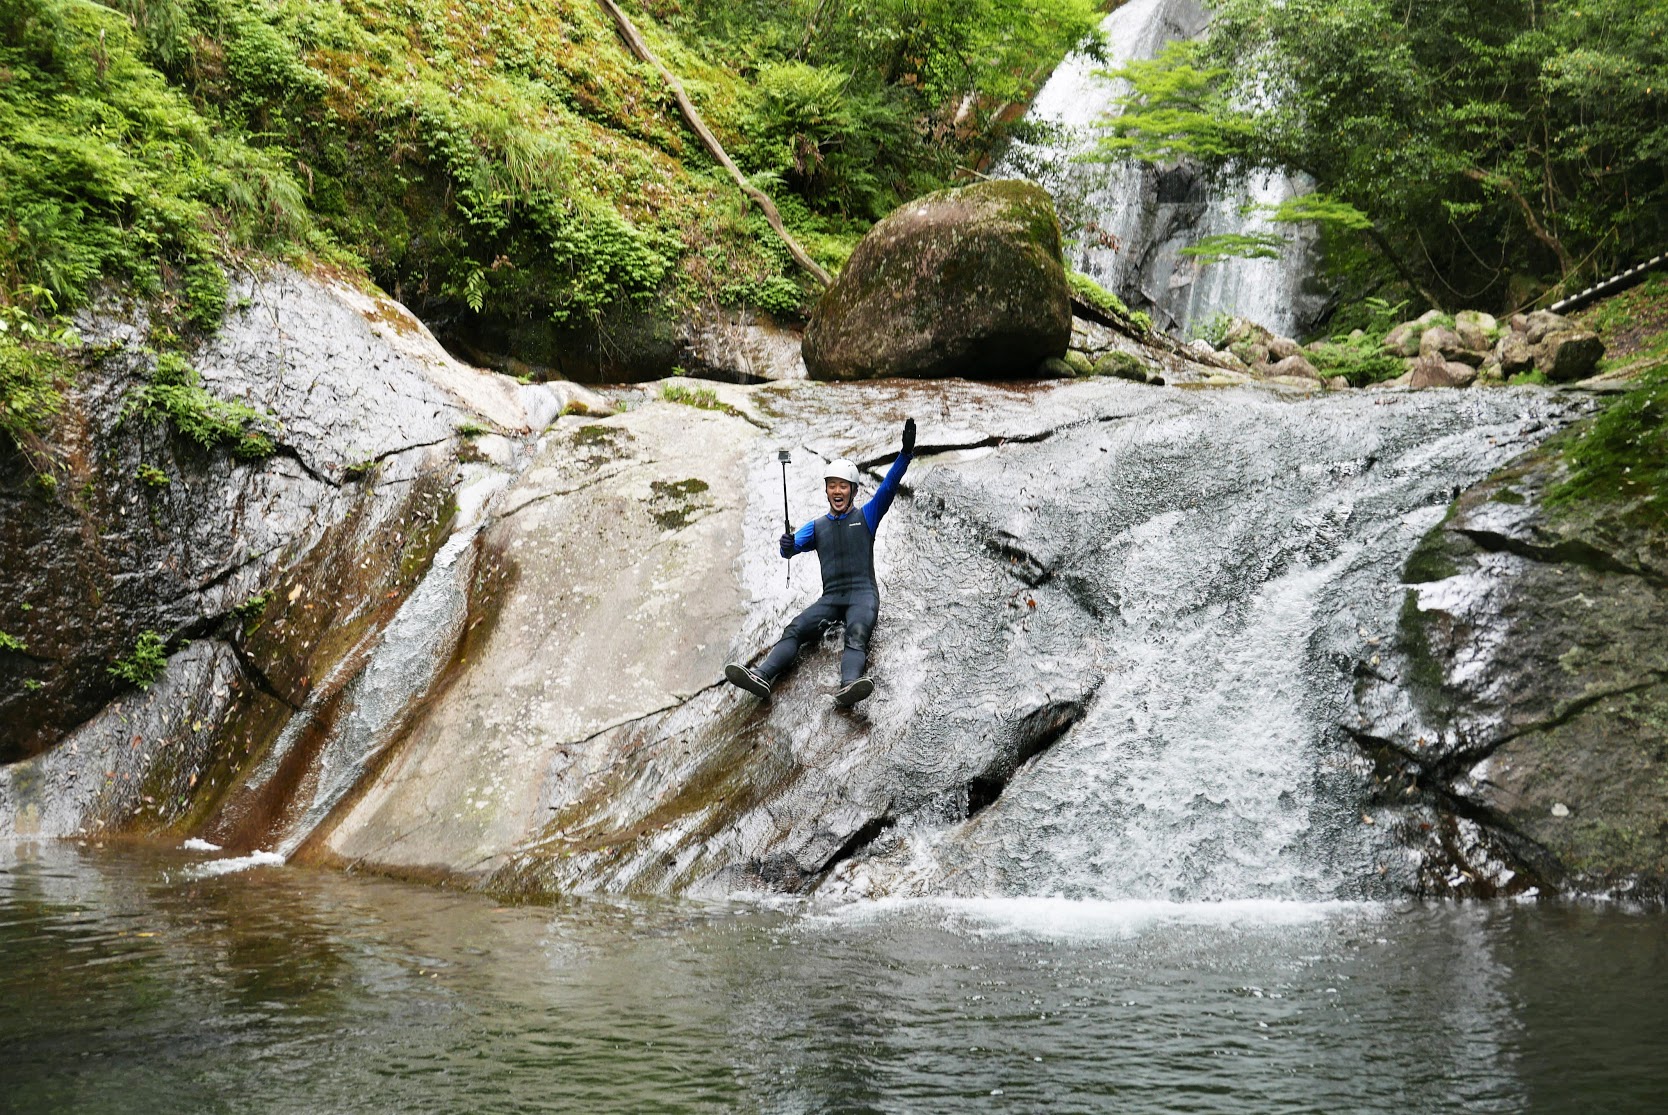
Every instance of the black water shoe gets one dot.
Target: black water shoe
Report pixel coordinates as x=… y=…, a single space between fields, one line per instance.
x=744 y=678
x=848 y=695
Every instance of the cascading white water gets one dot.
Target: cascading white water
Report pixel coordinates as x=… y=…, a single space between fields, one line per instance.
x=1127 y=223
x=1223 y=564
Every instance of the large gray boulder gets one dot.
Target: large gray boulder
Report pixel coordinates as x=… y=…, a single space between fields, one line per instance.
x=1514 y=354
x=966 y=282
x=1431 y=370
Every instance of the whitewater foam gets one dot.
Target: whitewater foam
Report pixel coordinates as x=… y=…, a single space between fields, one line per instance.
x=1077 y=919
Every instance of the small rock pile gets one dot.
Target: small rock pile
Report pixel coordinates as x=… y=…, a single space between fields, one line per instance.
x=1469 y=348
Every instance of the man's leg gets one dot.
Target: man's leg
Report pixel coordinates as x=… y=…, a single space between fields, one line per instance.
x=860 y=616
x=806 y=627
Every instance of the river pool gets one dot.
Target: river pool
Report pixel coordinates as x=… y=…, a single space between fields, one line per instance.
x=135 y=980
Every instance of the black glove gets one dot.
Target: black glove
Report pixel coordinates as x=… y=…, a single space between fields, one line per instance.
x=785 y=544
x=909 y=435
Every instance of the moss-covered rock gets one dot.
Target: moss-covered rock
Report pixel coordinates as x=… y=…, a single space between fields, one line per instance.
x=964 y=282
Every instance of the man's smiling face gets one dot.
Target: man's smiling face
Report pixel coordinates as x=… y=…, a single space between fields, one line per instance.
x=839 y=495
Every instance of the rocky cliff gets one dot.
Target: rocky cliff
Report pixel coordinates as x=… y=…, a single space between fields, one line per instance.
x=1520 y=724
x=245 y=588
x=1136 y=641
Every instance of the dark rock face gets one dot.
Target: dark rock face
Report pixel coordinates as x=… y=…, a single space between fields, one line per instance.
x=1522 y=725
x=633 y=342
x=966 y=282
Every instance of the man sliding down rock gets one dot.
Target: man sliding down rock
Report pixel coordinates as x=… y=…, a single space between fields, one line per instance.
x=845 y=546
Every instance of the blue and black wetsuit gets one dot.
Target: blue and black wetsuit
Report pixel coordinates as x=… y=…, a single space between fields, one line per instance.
x=845 y=546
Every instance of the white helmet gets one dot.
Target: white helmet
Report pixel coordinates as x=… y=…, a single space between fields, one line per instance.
x=841 y=469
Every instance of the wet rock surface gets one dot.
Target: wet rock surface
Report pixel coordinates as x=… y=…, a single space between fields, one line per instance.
x=284 y=564
x=1521 y=726
x=1120 y=631
x=966 y=282
x=1068 y=563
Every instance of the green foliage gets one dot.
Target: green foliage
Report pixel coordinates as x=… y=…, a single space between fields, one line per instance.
x=1372 y=315
x=1317 y=208
x=1176 y=110
x=778 y=296
x=1213 y=330
x=107 y=171
x=498 y=161
x=701 y=398
x=12 y=643
x=175 y=394
x=1358 y=359
x=1622 y=455
x=1463 y=151
x=151 y=476
x=857 y=107
x=145 y=663
x=254 y=607
x=32 y=376
x=1236 y=245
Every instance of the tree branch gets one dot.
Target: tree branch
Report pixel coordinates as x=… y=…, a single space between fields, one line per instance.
x=1501 y=182
x=628 y=32
x=1402 y=269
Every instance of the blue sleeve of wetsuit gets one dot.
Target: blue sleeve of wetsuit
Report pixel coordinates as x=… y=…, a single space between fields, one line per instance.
x=875 y=510
x=804 y=540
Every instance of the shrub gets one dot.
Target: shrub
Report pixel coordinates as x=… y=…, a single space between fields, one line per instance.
x=1359 y=360
x=1213 y=330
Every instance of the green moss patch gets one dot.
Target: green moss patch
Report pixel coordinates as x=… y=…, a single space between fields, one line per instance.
x=1621 y=456
x=674 y=502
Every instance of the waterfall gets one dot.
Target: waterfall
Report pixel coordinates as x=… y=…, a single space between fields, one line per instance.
x=1223 y=564
x=1127 y=223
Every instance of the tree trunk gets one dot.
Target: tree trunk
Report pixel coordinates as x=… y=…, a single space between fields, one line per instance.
x=628 y=31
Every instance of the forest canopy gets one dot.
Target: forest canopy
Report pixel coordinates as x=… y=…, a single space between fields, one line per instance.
x=1465 y=152
x=505 y=158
